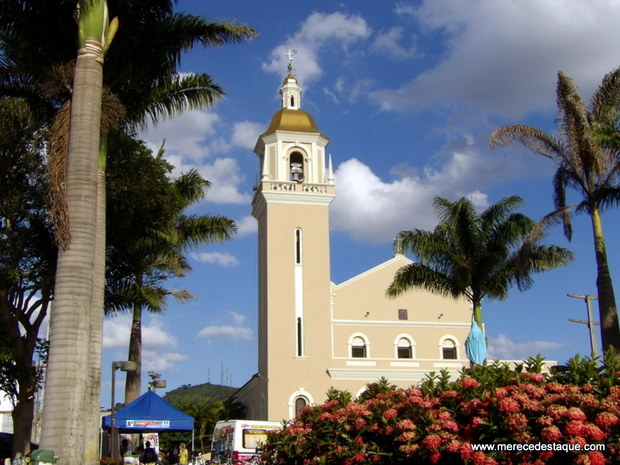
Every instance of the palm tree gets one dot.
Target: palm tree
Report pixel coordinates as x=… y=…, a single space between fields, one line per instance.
x=474 y=256
x=586 y=166
x=206 y=413
x=68 y=385
x=147 y=243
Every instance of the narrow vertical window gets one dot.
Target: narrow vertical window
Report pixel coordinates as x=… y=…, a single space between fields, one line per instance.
x=292 y=101
x=298 y=247
x=300 y=344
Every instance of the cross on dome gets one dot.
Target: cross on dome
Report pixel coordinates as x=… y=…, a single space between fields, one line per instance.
x=290 y=54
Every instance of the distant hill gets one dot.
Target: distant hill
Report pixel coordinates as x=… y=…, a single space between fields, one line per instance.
x=197 y=393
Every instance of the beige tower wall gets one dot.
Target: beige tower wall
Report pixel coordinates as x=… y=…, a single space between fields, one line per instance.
x=290 y=290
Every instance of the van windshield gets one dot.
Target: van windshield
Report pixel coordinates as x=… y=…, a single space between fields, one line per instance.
x=253 y=437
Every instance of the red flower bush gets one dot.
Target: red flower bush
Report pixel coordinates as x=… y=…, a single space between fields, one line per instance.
x=491 y=415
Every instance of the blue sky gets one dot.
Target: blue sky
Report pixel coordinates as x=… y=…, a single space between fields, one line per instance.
x=409 y=93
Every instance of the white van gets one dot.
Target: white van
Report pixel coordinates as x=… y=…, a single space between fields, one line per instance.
x=235 y=441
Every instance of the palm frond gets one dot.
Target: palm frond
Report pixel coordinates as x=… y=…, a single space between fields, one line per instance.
x=422 y=277
x=606 y=97
x=191 y=187
x=531 y=138
x=174 y=96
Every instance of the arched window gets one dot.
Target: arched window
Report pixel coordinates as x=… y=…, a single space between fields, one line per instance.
x=300 y=403
x=358 y=347
x=296 y=167
x=448 y=349
x=292 y=101
x=404 y=348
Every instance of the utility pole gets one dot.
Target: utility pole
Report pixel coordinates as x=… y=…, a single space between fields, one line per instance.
x=590 y=321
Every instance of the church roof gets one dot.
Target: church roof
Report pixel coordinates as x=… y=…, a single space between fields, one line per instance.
x=288 y=119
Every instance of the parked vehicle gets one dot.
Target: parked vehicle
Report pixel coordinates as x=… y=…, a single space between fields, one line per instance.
x=235 y=441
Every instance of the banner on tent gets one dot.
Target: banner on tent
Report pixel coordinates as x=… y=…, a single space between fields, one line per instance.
x=158 y=424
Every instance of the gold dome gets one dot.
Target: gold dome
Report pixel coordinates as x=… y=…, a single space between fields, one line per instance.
x=292 y=120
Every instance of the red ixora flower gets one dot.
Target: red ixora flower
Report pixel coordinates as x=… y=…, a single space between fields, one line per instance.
x=606 y=420
x=432 y=442
x=389 y=414
x=508 y=405
x=551 y=433
x=468 y=383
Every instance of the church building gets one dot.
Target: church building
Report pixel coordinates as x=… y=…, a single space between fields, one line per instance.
x=314 y=334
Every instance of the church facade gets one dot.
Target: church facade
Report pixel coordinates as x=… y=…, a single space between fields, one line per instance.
x=314 y=334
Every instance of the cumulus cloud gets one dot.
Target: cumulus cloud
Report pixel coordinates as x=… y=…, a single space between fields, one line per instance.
x=496 y=56
x=502 y=347
x=186 y=135
x=226 y=331
x=156 y=342
x=389 y=43
x=191 y=143
x=159 y=361
x=374 y=210
x=116 y=334
x=246 y=225
x=224 y=259
x=245 y=134
x=317 y=31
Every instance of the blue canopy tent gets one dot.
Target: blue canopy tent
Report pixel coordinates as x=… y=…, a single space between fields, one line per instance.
x=149 y=413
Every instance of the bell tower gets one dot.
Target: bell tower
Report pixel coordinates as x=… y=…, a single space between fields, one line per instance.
x=291 y=204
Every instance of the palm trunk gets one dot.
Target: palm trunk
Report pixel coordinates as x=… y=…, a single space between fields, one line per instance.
x=67 y=371
x=96 y=325
x=133 y=381
x=610 y=331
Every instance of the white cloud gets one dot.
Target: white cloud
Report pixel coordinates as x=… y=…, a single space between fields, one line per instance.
x=186 y=135
x=190 y=142
x=501 y=347
x=156 y=341
x=159 y=361
x=246 y=225
x=238 y=318
x=389 y=43
x=219 y=258
x=502 y=57
x=226 y=178
x=116 y=332
x=245 y=134
x=370 y=209
x=319 y=30
x=226 y=331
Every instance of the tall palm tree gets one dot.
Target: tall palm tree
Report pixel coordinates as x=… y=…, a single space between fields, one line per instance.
x=148 y=244
x=68 y=385
x=584 y=165
x=472 y=255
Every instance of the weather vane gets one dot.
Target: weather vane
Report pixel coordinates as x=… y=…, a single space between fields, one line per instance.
x=290 y=54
